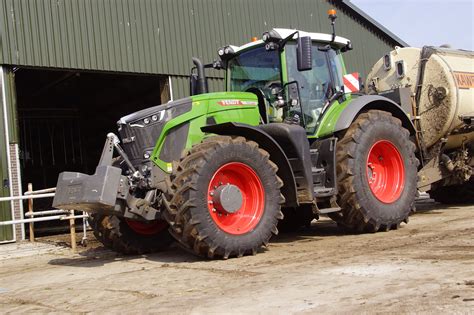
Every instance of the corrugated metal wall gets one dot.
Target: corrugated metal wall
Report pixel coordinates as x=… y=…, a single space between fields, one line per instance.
x=180 y=85
x=6 y=232
x=160 y=36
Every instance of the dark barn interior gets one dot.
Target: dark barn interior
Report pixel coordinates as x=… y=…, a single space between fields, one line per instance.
x=64 y=117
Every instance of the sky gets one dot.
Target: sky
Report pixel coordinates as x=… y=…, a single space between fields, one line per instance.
x=425 y=22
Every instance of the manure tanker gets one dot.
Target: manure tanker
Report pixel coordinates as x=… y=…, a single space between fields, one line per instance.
x=435 y=85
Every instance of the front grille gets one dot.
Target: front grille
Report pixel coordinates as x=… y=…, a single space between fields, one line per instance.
x=137 y=140
x=139 y=137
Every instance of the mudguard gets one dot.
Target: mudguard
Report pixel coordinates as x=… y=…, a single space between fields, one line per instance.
x=367 y=102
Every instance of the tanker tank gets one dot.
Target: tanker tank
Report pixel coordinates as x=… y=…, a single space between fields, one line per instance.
x=442 y=83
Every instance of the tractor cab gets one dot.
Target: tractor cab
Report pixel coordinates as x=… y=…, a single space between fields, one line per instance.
x=293 y=73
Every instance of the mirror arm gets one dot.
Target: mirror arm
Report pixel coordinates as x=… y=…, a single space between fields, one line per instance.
x=282 y=43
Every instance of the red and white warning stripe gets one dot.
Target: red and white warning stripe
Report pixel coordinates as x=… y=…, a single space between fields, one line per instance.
x=351 y=82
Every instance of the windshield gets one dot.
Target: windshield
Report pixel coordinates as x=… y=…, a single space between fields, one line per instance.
x=316 y=85
x=257 y=68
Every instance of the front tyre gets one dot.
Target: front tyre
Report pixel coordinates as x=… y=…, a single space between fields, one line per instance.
x=377 y=173
x=224 y=198
x=130 y=237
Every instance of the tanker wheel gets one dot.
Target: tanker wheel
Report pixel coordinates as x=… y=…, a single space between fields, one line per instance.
x=130 y=237
x=224 y=198
x=295 y=218
x=455 y=194
x=377 y=174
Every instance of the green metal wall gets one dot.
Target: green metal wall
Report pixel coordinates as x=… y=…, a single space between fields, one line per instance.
x=160 y=36
x=6 y=232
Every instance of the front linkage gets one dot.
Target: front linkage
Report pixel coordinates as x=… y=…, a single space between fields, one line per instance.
x=107 y=191
x=122 y=209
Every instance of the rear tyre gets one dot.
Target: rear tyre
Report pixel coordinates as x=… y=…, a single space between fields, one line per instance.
x=377 y=174
x=130 y=237
x=296 y=218
x=224 y=199
x=456 y=194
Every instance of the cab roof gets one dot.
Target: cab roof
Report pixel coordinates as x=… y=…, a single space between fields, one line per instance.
x=338 y=42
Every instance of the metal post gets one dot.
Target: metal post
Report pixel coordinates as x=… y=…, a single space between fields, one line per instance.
x=3 y=102
x=84 y=230
x=30 y=213
x=72 y=226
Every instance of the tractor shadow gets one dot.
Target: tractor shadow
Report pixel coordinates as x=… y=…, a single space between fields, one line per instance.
x=318 y=230
x=101 y=256
x=96 y=255
x=429 y=206
x=325 y=227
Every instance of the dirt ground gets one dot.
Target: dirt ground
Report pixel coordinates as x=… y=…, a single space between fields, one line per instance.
x=426 y=266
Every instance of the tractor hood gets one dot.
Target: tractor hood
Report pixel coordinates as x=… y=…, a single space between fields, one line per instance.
x=140 y=130
x=158 y=113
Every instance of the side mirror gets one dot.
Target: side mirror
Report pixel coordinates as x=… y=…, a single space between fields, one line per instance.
x=304 y=53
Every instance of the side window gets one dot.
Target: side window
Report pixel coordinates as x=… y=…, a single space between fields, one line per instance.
x=314 y=84
x=335 y=61
x=322 y=77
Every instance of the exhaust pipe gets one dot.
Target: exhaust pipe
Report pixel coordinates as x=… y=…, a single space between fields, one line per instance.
x=201 y=79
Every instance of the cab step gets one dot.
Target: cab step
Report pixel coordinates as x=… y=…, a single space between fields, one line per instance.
x=329 y=210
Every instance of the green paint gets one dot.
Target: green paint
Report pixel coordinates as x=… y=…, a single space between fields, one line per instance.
x=239 y=107
x=284 y=71
x=329 y=120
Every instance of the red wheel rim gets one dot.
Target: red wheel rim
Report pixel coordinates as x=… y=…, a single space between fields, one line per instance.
x=385 y=171
x=253 y=198
x=147 y=228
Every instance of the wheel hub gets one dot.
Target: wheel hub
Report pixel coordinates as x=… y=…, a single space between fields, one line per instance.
x=385 y=171
x=227 y=198
x=236 y=198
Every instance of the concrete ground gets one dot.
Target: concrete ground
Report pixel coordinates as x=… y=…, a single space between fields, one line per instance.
x=426 y=266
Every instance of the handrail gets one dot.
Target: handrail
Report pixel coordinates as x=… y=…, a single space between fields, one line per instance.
x=60 y=214
x=41 y=191
x=27 y=197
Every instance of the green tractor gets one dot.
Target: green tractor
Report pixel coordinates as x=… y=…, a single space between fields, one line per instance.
x=221 y=172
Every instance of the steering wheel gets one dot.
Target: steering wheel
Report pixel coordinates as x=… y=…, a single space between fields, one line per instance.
x=268 y=87
x=266 y=90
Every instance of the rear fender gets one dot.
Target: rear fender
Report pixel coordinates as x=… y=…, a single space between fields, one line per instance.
x=368 y=102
